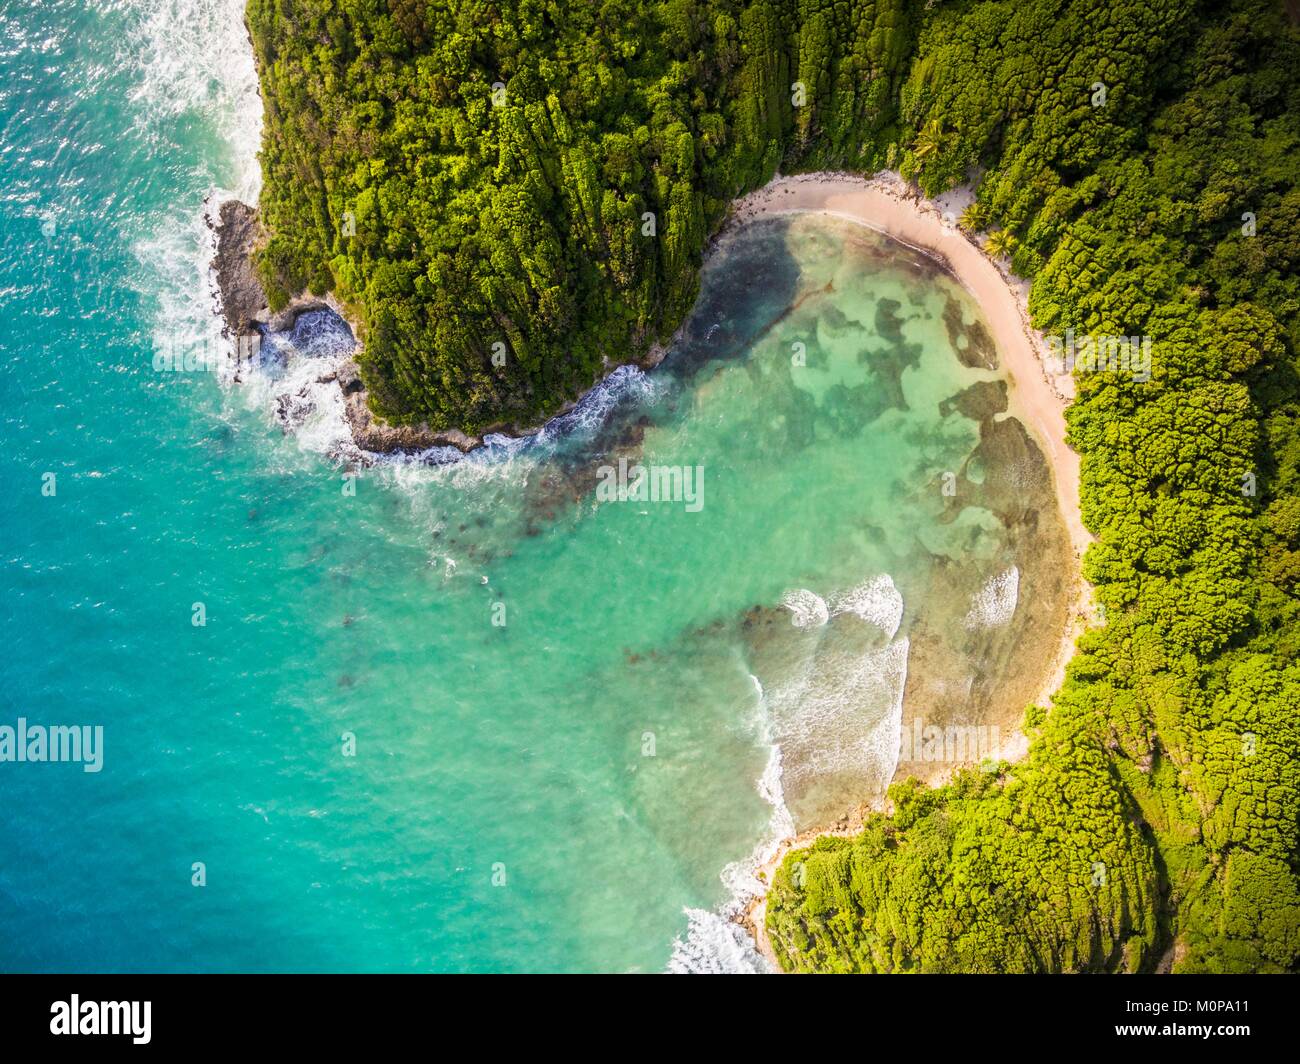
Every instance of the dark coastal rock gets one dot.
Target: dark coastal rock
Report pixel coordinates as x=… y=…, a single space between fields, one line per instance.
x=243 y=303
x=293 y=410
x=372 y=434
x=349 y=380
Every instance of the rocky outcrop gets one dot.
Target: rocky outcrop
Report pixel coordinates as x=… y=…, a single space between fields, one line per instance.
x=242 y=300
x=246 y=312
x=371 y=434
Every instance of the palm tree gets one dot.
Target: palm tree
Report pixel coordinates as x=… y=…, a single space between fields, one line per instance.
x=974 y=218
x=929 y=140
x=1001 y=242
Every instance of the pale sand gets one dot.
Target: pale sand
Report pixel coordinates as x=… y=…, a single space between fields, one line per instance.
x=1038 y=396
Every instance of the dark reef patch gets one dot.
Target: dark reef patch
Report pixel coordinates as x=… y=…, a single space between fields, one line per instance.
x=974 y=346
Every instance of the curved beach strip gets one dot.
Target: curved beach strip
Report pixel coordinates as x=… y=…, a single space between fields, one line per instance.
x=1038 y=397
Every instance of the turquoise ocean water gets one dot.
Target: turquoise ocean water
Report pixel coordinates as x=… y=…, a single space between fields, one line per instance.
x=577 y=721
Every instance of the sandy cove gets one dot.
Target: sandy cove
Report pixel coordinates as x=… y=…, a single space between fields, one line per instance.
x=889 y=205
x=1038 y=396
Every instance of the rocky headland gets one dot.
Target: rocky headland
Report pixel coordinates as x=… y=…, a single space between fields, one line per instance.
x=246 y=313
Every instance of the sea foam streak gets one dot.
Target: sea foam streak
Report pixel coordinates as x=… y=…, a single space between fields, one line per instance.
x=835 y=712
x=715 y=943
x=298 y=386
x=194 y=56
x=995 y=603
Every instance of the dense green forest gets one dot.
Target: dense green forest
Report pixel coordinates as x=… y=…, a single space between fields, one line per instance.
x=539 y=176
x=1141 y=163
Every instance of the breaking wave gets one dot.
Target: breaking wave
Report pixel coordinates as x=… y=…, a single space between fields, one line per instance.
x=877 y=601
x=191 y=59
x=809 y=609
x=843 y=713
x=715 y=945
x=838 y=709
x=995 y=603
x=194 y=57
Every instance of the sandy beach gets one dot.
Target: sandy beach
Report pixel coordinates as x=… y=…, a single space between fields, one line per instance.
x=1038 y=396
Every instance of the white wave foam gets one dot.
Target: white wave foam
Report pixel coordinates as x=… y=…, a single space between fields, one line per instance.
x=837 y=708
x=307 y=402
x=770 y=788
x=714 y=942
x=995 y=603
x=714 y=945
x=512 y=458
x=808 y=608
x=194 y=56
x=877 y=601
x=825 y=722
x=844 y=714
x=741 y=877
x=174 y=259
x=294 y=383
x=321 y=334
x=191 y=57
x=594 y=408
x=772 y=792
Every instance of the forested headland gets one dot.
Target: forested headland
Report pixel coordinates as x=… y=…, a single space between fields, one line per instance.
x=515 y=197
